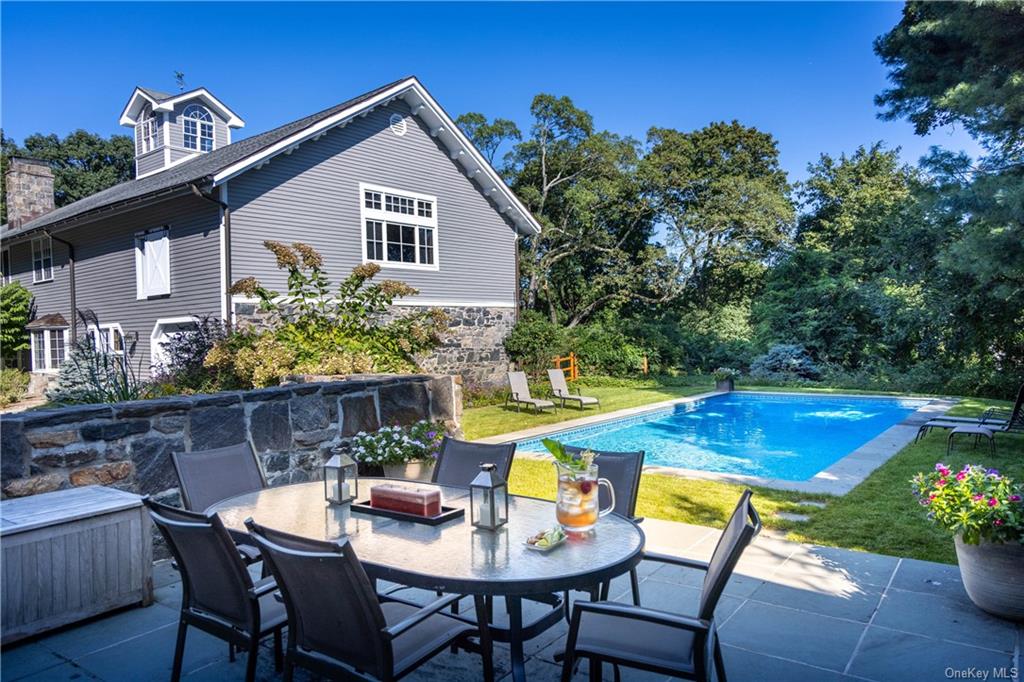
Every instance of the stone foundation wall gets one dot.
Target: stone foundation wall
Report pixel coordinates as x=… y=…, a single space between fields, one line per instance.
x=292 y=429
x=473 y=348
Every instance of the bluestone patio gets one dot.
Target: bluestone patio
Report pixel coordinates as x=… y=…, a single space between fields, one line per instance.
x=790 y=612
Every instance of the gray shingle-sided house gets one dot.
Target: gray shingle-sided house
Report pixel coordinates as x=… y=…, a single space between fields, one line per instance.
x=386 y=177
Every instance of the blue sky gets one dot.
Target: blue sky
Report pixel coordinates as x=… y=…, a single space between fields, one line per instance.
x=804 y=72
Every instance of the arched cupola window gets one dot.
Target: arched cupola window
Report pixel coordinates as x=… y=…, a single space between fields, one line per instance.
x=147 y=131
x=198 y=128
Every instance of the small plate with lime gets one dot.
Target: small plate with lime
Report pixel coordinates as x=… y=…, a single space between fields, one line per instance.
x=546 y=540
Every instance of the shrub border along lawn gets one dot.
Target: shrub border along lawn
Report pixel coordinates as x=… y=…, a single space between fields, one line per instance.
x=879 y=515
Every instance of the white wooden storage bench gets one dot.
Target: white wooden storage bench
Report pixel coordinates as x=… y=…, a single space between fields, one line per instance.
x=71 y=554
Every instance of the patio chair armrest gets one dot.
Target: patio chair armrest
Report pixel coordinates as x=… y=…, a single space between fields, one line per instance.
x=647 y=615
x=676 y=560
x=418 y=617
x=265 y=586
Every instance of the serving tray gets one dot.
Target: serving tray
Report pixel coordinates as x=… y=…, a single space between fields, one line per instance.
x=447 y=514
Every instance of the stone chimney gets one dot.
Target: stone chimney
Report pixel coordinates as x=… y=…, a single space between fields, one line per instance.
x=29 y=185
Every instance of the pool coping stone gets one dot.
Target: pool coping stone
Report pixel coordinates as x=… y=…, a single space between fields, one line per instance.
x=838 y=478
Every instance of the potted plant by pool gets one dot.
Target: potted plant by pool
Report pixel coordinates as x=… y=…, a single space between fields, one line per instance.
x=725 y=378
x=408 y=452
x=984 y=511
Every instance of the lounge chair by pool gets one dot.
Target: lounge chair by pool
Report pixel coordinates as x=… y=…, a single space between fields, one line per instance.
x=519 y=393
x=990 y=422
x=561 y=390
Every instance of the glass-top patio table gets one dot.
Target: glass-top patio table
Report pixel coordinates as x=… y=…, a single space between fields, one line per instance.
x=454 y=557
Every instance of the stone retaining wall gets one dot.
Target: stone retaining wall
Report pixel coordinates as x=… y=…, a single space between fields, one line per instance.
x=292 y=429
x=474 y=346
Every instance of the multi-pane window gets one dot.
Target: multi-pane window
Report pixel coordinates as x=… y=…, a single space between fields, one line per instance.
x=399 y=228
x=48 y=349
x=42 y=259
x=394 y=203
x=374 y=240
x=198 y=128
x=107 y=338
x=147 y=133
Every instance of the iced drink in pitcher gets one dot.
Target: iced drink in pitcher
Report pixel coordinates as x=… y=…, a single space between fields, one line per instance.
x=577 y=507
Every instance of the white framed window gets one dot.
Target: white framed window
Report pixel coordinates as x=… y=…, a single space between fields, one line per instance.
x=197 y=125
x=42 y=259
x=399 y=227
x=153 y=263
x=5 y=266
x=49 y=349
x=166 y=329
x=147 y=132
x=106 y=338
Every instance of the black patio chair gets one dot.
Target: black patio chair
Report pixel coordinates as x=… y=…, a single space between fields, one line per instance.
x=459 y=461
x=623 y=470
x=209 y=476
x=658 y=641
x=218 y=595
x=341 y=628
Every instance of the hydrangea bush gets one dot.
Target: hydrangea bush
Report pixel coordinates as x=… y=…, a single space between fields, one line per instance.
x=975 y=503
x=399 y=444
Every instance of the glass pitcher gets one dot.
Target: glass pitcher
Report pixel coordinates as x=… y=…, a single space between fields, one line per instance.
x=577 y=507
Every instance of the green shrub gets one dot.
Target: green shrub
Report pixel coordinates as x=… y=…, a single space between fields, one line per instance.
x=534 y=342
x=185 y=354
x=602 y=348
x=13 y=384
x=15 y=312
x=314 y=330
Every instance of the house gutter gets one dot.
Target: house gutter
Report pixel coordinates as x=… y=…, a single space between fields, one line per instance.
x=71 y=288
x=226 y=227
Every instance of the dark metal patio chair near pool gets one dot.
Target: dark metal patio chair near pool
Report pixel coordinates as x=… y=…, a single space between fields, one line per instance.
x=658 y=641
x=218 y=595
x=560 y=389
x=519 y=393
x=340 y=628
x=623 y=470
x=209 y=476
x=459 y=461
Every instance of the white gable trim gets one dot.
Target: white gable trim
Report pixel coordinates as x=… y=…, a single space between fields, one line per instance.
x=441 y=126
x=131 y=111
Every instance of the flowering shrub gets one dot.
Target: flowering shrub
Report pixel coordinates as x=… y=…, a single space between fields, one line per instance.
x=725 y=373
x=975 y=503
x=399 y=444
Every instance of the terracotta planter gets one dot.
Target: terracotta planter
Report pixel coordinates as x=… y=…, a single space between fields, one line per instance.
x=725 y=385
x=410 y=471
x=993 y=576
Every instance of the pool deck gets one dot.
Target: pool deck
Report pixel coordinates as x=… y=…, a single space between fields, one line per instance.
x=837 y=479
x=791 y=613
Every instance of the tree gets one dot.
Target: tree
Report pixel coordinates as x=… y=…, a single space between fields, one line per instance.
x=581 y=184
x=959 y=62
x=853 y=290
x=724 y=201
x=488 y=137
x=83 y=163
x=15 y=312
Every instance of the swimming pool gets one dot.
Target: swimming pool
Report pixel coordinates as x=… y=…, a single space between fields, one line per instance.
x=788 y=437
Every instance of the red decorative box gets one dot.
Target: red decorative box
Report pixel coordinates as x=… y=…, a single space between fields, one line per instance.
x=419 y=501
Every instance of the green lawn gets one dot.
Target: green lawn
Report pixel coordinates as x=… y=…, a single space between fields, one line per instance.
x=480 y=422
x=880 y=515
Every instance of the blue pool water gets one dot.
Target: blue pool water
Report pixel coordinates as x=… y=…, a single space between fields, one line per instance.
x=772 y=436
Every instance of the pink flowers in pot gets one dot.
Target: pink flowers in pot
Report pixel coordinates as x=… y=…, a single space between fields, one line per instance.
x=975 y=503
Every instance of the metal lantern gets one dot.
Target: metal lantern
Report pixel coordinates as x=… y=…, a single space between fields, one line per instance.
x=341 y=479
x=488 y=499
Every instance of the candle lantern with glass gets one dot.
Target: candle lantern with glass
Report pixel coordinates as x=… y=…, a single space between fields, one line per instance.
x=341 y=479
x=488 y=499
